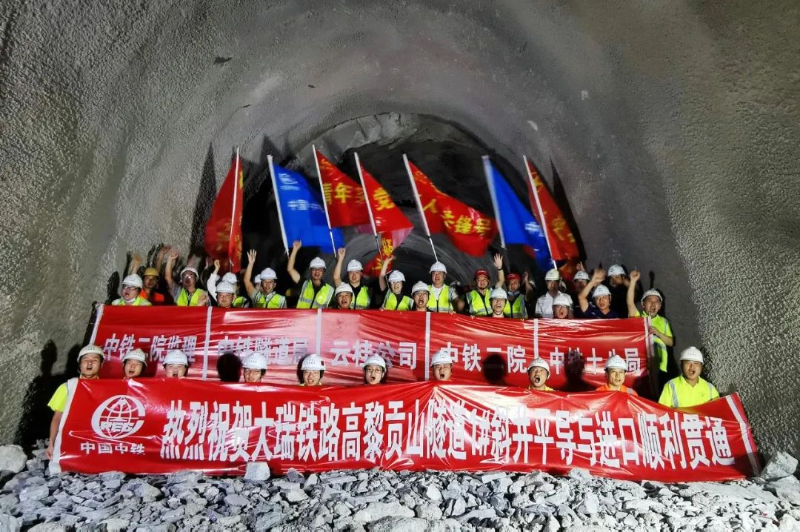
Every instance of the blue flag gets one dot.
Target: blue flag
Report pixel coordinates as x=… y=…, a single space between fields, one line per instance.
x=301 y=212
x=516 y=223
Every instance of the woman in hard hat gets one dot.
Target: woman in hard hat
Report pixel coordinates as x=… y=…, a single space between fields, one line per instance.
x=311 y=371
x=255 y=366
x=187 y=293
x=362 y=295
x=616 y=367
x=90 y=360
x=230 y=278
x=262 y=294
x=601 y=296
x=690 y=389
x=176 y=364
x=498 y=302
x=394 y=298
x=538 y=373
x=314 y=292
x=544 y=305
x=442 y=366
x=562 y=307
x=133 y=364
x=343 y=297
x=131 y=293
x=225 y=294
x=374 y=370
x=420 y=293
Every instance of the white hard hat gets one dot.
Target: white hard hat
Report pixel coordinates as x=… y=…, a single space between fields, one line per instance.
x=616 y=269
x=176 y=356
x=313 y=362
x=441 y=357
x=135 y=354
x=601 y=291
x=692 y=354
x=562 y=300
x=317 y=262
x=616 y=362
x=375 y=360
x=257 y=280
x=438 y=267
x=132 y=280
x=91 y=349
x=397 y=277
x=652 y=292
x=255 y=361
x=224 y=287
x=354 y=266
x=498 y=293
x=268 y=274
x=539 y=363
x=343 y=288
x=552 y=275
x=230 y=277
x=581 y=275
x=190 y=270
x=420 y=287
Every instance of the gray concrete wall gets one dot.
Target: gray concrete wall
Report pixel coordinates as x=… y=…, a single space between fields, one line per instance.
x=674 y=127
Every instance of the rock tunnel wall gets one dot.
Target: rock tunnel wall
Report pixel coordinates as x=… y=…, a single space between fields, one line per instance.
x=673 y=127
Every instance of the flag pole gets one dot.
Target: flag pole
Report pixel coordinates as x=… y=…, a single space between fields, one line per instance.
x=277 y=202
x=233 y=208
x=366 y=198
x=532 y=184
x=324 y=201
x=487 y=169
x=418 y=201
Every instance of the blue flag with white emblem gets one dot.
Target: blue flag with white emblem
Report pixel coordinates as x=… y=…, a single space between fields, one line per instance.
x=515 y=221
x=301 y=212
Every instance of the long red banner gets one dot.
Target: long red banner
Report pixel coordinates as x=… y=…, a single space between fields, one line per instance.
x=154 y=426
x=484 y=349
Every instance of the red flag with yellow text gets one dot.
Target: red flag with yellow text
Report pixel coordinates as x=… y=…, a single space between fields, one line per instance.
x=559 y=235
x=469 y=230
x=343 y=196
x=223 y=236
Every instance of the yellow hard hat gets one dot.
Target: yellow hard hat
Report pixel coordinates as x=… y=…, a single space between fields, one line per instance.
x=151 y=271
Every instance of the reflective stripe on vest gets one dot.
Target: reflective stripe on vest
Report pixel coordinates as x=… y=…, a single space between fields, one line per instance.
x=184 y=300
x=390 y=302
x=442 y=304
x=271 y=300
x=362 y=299
x=475 y=299
x=674 y=394
x=515 y=309
x=307 y=299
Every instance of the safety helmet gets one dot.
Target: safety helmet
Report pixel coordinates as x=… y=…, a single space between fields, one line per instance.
x=343 y=288
x=176 y=356
x=354 y=266
x=317 y=262
x=375 y=360
x=601 y=291
x=652 y=292
x=552 y=275
x=420 y=287
x=132 y=280
x=230 y=277
x=616 y=362
x=190 y=270
x=441 y=357
x=539 y=363
x=581 y=275
x=513 y=276
x=268 y=274
x=135 y=354
x=562 y=300
x=692 y=354
x=91 y=349
x=224 y=287
x=151 y=272
x=498 y=293
x=312 y=362
x=255 y=361
x=397 y=277
x=481 y=272
x=438 y=267
x=257 y=279
x=616 y=269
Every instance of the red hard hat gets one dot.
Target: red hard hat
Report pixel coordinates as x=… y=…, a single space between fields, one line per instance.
x=512 y=276
x=481 y=272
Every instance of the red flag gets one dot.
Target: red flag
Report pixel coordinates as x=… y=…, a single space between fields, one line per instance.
x=390 y=223
x=469 y=230
x=223 y=238
x=343 y=196
x=559 y=236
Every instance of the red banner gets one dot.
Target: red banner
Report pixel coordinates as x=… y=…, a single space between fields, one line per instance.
x=223 y=236
x=484 y=349
x=152 y=426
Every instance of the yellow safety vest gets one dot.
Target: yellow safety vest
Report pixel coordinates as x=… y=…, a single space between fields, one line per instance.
x=479 y=305
x=680 y=394
x=271 y=300
x=390 y=302
x=662 y=325
x=185 y=301
x=307 y=299
x=443 y=303
x=362 y=299
x=239 y=302
x=138 y=302
x=516 y=309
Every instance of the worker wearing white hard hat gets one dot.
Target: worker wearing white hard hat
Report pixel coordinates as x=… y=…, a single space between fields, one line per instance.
x=312 y=370
x=659 y=329
x=225 y=292
x=601 y=309
x=538 y=373
x=131 y=293
x=689 y=389
x=237 y=301
x=314 y=292
x=442 y=297
x=254 y=366
x=262 y=293
x=176 y=364
x=90 y=360
x=393 y=286
x=442 y=366
x=343 y=297
x=544 y=305
x=618 y=283
x=420 y=294
x=187 y=293
x=362 y=295
x=616 y=367
x=579 y=282
x=562 y=306
x=133 y=363
x=374 y=370
x=498 y=299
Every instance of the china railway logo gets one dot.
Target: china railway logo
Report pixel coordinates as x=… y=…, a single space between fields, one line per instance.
x=118 y=417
